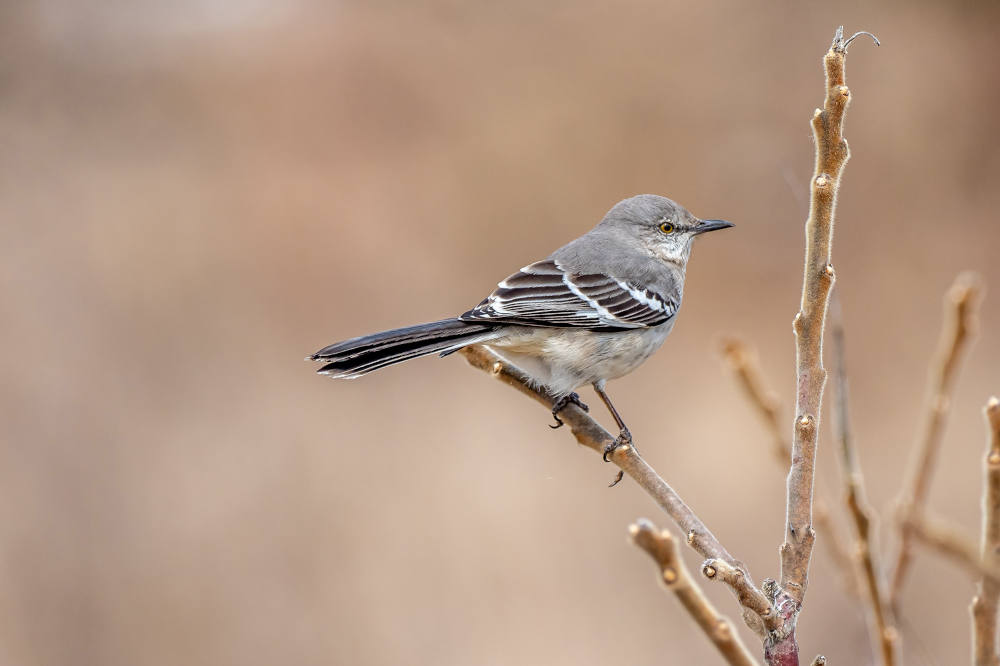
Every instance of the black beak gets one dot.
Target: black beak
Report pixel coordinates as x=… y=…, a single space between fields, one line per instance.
x=711 y=225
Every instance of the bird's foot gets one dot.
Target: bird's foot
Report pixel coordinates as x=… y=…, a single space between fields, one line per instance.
x=562 y=403
x=624 y=438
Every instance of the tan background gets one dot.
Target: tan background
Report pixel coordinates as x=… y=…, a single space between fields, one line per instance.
x=195 y=195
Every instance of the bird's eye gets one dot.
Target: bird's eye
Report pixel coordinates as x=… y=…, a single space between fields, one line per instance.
x=667 y=227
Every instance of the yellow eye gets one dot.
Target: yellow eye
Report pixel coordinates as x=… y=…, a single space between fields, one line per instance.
x=667 y=227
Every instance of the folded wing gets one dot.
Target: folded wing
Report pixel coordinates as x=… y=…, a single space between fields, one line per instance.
x=543 y=294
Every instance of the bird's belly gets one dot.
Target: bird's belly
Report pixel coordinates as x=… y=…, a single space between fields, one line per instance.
x=613 y=355
x=565 y=359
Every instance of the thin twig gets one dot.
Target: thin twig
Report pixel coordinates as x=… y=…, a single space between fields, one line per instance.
x=831 y=156
x=662 y=547
x=985 y=603
x=881 y=625
x=941 y=536
x=749 y=597
x=961 y=305
x=742 y=360
x=590 y=434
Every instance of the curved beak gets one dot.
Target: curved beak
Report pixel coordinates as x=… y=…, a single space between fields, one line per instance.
x=711 y=225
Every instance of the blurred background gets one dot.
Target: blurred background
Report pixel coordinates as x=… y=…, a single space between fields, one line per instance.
x=195 y=195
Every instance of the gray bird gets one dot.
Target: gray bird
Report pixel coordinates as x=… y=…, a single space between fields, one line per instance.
x=593 y=311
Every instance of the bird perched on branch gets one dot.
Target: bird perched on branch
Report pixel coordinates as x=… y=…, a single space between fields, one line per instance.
x=593 y=311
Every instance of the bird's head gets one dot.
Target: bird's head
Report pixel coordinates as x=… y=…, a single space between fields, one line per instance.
x=663 y=227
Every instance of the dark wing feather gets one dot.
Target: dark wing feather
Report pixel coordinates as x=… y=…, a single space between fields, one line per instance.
x=543 y=294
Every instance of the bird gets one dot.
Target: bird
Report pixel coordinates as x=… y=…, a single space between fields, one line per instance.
x=592 y=311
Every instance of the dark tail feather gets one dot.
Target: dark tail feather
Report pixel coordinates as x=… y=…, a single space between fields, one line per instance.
x=359 y=356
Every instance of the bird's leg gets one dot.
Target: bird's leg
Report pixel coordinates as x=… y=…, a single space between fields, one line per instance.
x=562 y=403
x=624 y=436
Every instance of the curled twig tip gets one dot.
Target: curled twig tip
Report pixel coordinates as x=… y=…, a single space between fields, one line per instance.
x=840 y=44
x=858 y=34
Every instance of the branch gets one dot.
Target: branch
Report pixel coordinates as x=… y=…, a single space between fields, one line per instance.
x=984 y=604
x=662 y=547
x=961 y=305
x=749 y=597
x=743 y=362
x=940 y=536
x=589 y=433
x=831 y=156
x=881 y=625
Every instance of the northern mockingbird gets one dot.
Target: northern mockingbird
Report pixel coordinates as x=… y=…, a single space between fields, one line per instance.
x=593 y=311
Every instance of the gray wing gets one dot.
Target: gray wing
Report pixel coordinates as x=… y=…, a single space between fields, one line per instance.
x=543 y=294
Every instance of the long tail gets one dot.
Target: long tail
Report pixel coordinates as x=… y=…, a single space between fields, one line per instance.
x=359 y=356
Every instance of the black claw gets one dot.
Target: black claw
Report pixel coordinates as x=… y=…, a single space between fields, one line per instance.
x=624 y=438
x=562 y=403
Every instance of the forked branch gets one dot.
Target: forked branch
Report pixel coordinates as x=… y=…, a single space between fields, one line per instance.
x=662 y=547
x=743 y=362
x=590 y=434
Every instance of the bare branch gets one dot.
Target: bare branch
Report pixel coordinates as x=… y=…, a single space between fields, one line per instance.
x=818 y=276
x=985 y=603
x=940 y=536
x=743 y=362
x=961 y=306
x=748 y=596
x=881 y=625
x=831 y=156
x=662 y=547
x=590 y=434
